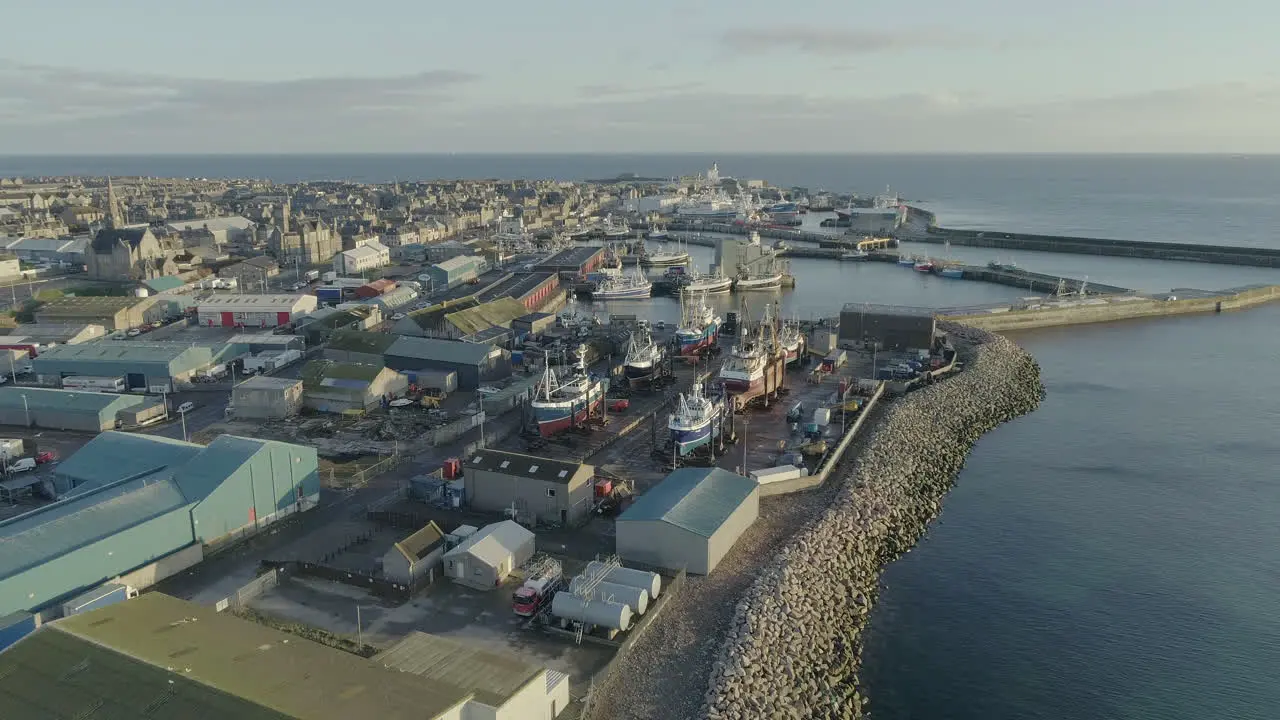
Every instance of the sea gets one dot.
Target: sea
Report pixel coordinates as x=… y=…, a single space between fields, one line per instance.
x=1116 y=553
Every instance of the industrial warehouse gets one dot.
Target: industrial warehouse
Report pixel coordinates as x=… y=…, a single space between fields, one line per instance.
x=132 y=500
x=78 y=410
x=151 y=366
x=253 y=310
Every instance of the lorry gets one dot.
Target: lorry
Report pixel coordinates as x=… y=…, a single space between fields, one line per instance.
x=96 y=384
x=538 y=589
x=213 y=373
x=311 y=275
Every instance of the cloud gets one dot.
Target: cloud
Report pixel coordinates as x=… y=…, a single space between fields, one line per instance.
x=434 y=112
x=828 y=41
x=41 y=94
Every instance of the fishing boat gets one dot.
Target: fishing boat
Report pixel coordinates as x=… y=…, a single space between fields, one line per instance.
x=656 y=233
x=768 y=280
x=696 y=421
x=622 y=286
x=924 y=265
x=665 y=257
x=791 y=341
x=952 y=272
x=699 y=326
x=643 y=354
x=615 y=229
x=560 y=403
x=708 y=284
x=743 y=371
x=855 y=255
x=573 y=317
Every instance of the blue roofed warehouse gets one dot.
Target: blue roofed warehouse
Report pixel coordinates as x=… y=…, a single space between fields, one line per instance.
x=690 y=520
x=131 y=500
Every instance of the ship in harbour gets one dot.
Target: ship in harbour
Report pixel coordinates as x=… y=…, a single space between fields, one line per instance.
x=567 y=400
x=643 y=354
x=665 y=257
x=882 y=218
x=622 y=286
x=699 y=326
x=615 y=229
x=763 y=272
x=791 y=341
x=782 y=213
x=696 y=421
x=707 y=284
x=743 y=371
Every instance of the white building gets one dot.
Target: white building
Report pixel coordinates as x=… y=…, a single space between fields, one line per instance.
x=404 y=235
x=497 y=686
x=253 y=310
x=690 y=520
x=486 y=558
x=370 y=256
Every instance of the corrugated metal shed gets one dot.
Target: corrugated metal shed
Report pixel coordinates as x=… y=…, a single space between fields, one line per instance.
x=421 y=543
x=166 y=282
x=79 y=401
x=491 y=677
x=199 y=478
x=696 y=499
x=114 y=456
x=496 y=313
x=121 y=357
x=362 y=342
x=449 y=351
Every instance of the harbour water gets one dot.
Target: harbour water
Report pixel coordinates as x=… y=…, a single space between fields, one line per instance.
x=1116 y=553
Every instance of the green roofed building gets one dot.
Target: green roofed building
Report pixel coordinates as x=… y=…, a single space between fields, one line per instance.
x=158 y=657
x=338 y=387
x=149 y=365
x=131 y=500
x=64 y=409
x=690 y=520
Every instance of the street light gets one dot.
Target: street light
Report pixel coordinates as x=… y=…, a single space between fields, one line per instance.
x=26 y=409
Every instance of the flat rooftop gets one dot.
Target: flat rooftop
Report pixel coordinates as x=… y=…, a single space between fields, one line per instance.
x=516 y=286
x=572 y=258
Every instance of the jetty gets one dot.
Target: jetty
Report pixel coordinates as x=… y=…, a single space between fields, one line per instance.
x=1217 y=254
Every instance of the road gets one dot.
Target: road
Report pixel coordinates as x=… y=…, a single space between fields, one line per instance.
x=210 y=408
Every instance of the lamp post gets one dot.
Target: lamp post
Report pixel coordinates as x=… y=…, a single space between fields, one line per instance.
x=26 y=409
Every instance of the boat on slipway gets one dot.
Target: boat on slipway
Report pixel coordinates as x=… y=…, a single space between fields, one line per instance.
x=622 y=286
x=743 y=371
x=699 y=326
x=643 y=354
x=562 y=402
x=696 y=422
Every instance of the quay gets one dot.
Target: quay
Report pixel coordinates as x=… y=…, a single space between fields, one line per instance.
x=1217 y=254
x=1081 y=311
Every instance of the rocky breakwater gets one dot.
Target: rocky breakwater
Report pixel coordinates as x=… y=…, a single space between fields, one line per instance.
x=793 y=649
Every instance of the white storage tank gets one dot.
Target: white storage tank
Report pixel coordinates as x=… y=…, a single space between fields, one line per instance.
x=626 y=576
x=614 y=616
x=635 y=597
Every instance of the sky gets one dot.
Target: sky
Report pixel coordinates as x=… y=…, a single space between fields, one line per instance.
x=284 y=76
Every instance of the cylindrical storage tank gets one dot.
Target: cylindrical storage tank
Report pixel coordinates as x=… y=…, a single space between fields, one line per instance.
x=626 y=576
x=636 y=597
x=614 y=616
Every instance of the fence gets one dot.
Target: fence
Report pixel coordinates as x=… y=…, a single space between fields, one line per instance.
x=600 y=681
x=395 y=592
x=358 y=478
x=250 y=590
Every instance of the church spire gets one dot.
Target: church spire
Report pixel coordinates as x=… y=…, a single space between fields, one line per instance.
x=114 y=219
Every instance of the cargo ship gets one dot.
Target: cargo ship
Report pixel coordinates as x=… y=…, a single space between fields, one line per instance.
x=699 y=326
x=696 y=421
x=561 y=403
x=643 y=354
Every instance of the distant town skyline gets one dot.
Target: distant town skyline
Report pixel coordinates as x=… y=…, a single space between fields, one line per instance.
x=140 y=76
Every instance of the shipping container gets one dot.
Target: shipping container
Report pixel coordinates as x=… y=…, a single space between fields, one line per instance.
x=101 y=596
x=96 y=384
x=822 y=417
x=775 y=474
x=14 y=627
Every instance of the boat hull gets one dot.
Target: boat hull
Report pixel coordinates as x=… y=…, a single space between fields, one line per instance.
x=688 y=439
x=716 y=287
x=690 y=341
x=740 y=386
x=637 y=370
x=628 y=293
x=665 y=260
x=753 y=284
x=556 y=416
x=954 y=273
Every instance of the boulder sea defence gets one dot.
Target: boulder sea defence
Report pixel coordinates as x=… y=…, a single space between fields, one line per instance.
x=793 y=649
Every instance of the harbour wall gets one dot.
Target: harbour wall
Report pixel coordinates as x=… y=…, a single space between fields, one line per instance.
x=1218 y=254
x=1114 y=310
x=794 y=646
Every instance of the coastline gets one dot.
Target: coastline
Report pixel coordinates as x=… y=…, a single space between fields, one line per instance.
x=793 y=648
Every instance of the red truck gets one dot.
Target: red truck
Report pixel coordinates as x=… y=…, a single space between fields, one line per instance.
x=537 y=591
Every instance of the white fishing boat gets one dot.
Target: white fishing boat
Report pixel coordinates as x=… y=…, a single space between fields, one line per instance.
x=573 y=317
x=665 y=257
x=755 y=281
x=743 y=370
x=791 y=340
x=854 y=255
x=643 y=354
x=615 y=229
x=708 y=284
x=696 y=421
x=656 y=233
x=622 y=286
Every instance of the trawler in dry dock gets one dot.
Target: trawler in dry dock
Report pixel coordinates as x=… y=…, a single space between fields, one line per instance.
x=699 y=327
x=696 y=421
x=643 y=354
x=560 y=403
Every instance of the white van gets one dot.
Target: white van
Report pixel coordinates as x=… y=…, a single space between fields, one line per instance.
x=22 y=465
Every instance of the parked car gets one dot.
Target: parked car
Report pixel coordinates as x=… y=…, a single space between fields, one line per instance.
x=133 y=332
x=398 y=316
x=186 y=407
x=22 y=465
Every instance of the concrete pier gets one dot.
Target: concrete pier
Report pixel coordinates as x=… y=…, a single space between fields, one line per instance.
x=1218 y=254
